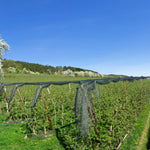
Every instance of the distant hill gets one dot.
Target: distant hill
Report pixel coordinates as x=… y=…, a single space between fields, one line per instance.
x=33 y=68
x=114 y=76
x=20 y=65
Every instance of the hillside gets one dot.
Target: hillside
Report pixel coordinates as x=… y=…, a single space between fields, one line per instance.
x=10 y=66
x=114 y=76
x=19 y=66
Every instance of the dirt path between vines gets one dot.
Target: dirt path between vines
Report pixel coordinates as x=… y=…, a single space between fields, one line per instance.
x=144 y=133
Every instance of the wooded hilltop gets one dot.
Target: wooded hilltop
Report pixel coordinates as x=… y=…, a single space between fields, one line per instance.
x=11 y=66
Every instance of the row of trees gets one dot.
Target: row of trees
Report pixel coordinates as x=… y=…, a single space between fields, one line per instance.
x=38 y=67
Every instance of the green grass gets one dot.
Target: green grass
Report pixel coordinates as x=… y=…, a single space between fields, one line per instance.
x=12 y=137
x=37 y=78
x=133 y=139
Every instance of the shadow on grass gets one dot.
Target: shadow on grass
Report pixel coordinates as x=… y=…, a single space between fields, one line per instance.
x=61 y=137
x=148 y=143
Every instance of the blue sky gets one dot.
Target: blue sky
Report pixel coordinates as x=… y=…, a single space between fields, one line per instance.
x=107 y=36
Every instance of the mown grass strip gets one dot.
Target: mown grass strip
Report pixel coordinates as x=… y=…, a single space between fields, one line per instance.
x=138 y=138
x=144 y=139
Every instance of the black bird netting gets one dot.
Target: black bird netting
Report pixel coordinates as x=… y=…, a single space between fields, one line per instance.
x=85 y=119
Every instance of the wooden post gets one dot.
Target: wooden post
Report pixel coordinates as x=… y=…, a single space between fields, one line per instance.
x=6 y=99
x=21 y=101
x=8 y=107
x=94 y=122
x=5 y=94
x=48 y=115
x=70 y=100
x=49 y=92
x=20 y=98
x=69 y=91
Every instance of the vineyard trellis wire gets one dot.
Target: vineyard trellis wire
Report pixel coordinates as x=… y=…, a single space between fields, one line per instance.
x=85 y=117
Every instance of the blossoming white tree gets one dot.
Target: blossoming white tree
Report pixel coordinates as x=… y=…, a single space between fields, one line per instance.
x=4 y=47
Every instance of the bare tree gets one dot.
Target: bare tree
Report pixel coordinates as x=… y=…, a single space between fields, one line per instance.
x=4 y=47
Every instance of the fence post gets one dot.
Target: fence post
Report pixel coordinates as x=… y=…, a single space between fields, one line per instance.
x=48 y=115
x=21 y=101
x=6 y=99
x=20 y=98
x=70 y=100
x=50 y=93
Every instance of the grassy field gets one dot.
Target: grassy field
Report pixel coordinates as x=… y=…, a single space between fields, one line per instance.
x=39 y=78
x=118 y=108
